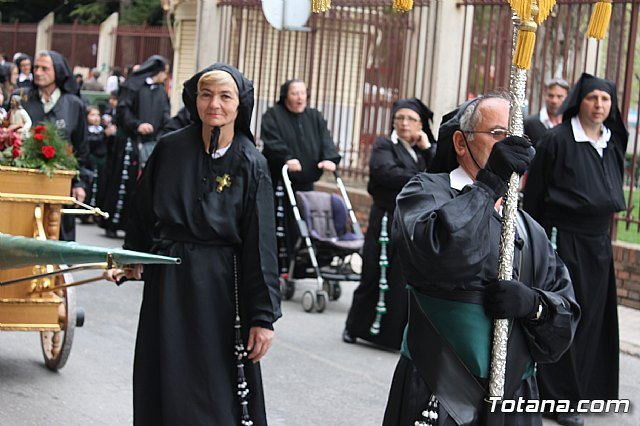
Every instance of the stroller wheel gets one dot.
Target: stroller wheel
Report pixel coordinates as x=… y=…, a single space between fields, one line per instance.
x=307 y=301
x=321 y=301
x=333 y=289
x=287 y=288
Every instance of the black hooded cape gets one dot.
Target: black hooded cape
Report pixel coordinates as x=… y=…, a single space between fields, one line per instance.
x=185 y=370
x=574 y=190
x=69 y=116
x=448 y=243
x=305 y=136
x=138 y=102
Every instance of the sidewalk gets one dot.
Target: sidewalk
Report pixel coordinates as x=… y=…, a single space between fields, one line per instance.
x=629 y=322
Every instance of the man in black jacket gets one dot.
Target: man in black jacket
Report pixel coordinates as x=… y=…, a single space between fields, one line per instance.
x=53 y=97
x=536 y=125
x=447 y=228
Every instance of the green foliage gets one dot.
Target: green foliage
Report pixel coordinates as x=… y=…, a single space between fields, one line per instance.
x=132 y=12
x=631 y=235
x=92 y=13
x=140 y=11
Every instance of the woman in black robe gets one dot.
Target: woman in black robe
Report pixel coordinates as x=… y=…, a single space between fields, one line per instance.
x=394 y=160
x=205 y=197
x=574 y=186
x=296 y=135
x=142 y=101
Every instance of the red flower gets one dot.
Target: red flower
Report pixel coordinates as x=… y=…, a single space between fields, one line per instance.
x=48 y=151
x=39 y=137
x=15 y=152
x=16 y=141
x=40 y=129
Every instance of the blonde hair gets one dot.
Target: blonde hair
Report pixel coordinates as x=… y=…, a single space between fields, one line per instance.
x=216 y=78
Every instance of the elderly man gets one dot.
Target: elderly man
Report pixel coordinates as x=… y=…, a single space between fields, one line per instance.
x=447 y=229
x=575 y=185
x=53 y=97
x=536 y=125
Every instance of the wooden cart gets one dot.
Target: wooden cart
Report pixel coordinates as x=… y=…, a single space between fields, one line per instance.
x=31 y=206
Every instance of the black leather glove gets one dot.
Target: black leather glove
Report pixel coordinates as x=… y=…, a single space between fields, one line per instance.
x=510 y=299
x=510 y=155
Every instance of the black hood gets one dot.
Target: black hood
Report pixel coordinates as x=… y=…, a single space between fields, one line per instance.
x=284 y=89
x=585 y=85
x=446 y=158
x=415 y=104
x=65 y=80
x=245 y=92
x=152 y=66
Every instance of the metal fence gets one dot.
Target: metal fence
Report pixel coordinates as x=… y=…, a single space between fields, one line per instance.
x=78 y=43
x=17 y=37
x=135 y=43
x=356 y=60
x=562 y=50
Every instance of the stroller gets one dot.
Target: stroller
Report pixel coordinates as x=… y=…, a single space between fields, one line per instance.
x=324 y=247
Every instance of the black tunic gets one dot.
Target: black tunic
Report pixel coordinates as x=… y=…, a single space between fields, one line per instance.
x=98 y=160
x=570 y=187
x=146 y=105
x=287 y=135
x=185 y=370
x=304 y=136
x=448 y=244
x=390 y=168
x=534 y=128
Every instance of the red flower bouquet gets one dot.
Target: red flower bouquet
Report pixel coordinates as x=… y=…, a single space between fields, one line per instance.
x=45 y=150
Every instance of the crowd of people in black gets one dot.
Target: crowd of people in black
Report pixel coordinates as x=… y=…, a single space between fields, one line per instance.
x=195 y=186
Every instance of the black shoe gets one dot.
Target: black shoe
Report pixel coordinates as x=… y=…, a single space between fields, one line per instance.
x=110 y=233
x=569 y=419
x=347 y=337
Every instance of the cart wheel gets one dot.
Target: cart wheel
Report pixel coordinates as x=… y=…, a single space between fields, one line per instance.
x=56 y=345
x=307 y=301
x=287 y=288
x=321 y=301
x=333 y=289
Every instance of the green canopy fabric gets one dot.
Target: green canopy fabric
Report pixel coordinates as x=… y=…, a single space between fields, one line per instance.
x=16 y=252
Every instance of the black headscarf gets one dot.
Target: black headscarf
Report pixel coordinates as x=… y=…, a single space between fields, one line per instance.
x=65 y=80
x=284 y=89
x=245 y=92
x=152 y=66
x=20 y=58
x=446 y=158
x=415 y=104
x=585 y=85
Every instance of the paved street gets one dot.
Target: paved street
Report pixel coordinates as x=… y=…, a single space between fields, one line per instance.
x=311 y=377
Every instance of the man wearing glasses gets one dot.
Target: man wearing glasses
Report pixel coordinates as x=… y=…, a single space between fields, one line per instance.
x=536 y=125
x=447 y=231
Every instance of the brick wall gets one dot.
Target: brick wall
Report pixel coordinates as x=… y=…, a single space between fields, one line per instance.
x=626 y=256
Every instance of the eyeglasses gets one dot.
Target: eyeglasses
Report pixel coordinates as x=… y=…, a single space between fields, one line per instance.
x=401 y=118
x=497 y=134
